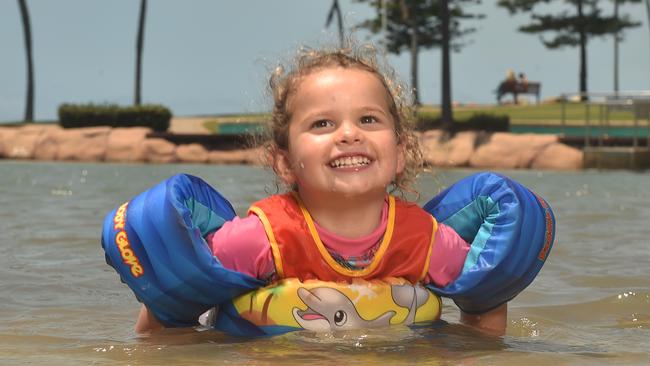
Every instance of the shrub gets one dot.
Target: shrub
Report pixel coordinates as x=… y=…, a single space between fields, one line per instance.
x=476 y=122
x=155 y=116
x=484 y=122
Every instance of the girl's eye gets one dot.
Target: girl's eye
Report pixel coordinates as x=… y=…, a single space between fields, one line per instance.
x=368 y=119
x=321 y=124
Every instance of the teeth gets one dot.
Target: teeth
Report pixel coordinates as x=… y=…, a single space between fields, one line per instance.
x=350 y=162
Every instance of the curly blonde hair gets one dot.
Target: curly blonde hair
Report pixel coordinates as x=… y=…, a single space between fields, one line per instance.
x=284 y=82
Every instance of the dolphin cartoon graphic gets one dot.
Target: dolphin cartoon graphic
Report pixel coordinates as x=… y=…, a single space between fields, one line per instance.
x=411 y=297
x=329 y=309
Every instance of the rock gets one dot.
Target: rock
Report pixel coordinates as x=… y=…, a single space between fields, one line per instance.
x=83 y=144
x=244 y=156
x=22 y=144
x=191 y=153
x=451 y=153
x=47 y=144
x=559 y=156
x=127 y=144
x=6 y=134
x=510 y=151
x=159 y=150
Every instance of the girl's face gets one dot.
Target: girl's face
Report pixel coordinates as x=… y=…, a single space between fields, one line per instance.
x=342 y=137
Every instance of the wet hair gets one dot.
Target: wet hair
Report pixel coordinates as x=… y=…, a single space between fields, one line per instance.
x=284 y=82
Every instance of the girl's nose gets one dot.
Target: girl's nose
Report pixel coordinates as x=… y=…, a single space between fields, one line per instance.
x=349 y=133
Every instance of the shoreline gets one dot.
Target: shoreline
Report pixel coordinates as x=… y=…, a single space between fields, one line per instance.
x=469 y=149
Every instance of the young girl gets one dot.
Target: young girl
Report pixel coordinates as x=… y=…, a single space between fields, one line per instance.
x=342 y=139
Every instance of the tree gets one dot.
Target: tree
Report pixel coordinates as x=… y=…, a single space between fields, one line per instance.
x=138 y=52
x=336 y=10
x=571 y=29
x=27 y=31
x=415 y=24
x=617 y=38
x=647 y=8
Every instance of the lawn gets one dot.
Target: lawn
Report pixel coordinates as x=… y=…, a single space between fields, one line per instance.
x=542 y=114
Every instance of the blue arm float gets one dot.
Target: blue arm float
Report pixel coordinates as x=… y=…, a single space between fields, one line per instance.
x=510 y=229
x=155 y=242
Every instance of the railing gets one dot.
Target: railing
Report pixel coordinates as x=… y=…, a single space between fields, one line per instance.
x=636 y=101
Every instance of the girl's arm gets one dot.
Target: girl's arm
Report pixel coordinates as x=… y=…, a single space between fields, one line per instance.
x=493 y=322
x=240 y=245
x=446 y=264
x=147 y=323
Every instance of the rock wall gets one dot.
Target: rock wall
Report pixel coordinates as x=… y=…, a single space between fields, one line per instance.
x=465 y=149
x=499 y=151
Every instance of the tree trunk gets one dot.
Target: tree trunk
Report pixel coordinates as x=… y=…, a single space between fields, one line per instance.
x=616 y=39
x=647 y=8
x=446 y=112
x=335 y=11
x=415 y=50
x=339 y=17
x=138 y=53
x=583 y=53
x=27 y=31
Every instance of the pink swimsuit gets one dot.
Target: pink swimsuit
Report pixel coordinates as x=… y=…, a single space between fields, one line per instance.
x=241 y=245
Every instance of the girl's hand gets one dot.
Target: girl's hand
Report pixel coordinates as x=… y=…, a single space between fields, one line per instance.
x=492 y=322
x=147 y=323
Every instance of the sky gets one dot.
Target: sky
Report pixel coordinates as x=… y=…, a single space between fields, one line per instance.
x=207 y=57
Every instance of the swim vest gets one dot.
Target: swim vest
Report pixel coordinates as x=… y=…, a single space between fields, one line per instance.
x=156 y=244
x=299 y=253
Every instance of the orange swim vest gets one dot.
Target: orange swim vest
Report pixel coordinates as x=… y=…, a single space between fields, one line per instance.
x=299 y=253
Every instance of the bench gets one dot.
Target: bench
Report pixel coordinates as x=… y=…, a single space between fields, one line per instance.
x=516 y=88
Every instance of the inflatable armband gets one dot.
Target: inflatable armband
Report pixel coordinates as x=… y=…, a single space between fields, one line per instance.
x=510 y=229
x=155 y=242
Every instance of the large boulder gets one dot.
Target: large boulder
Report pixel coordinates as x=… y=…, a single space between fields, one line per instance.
x=127 y=144
x=559 y=156
x=23 y=142
x=191 y=153
x=510 y=151
x=6 y=134
x=442 y=152
x=159 y=150
x=83 y=144
x=47 y=144
x=244 y=156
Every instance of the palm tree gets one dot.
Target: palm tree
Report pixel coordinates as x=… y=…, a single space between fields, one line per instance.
x=138 y=52
x=446 y=114
x=336 y=10
x=27 y=31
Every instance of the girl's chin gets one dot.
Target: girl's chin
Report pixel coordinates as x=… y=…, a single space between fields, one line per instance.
x=354 y=192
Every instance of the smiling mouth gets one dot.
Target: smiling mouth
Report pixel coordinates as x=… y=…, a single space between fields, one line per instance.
x=350 y=162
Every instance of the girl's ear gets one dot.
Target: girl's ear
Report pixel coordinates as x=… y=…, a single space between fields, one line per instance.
x=282 y=167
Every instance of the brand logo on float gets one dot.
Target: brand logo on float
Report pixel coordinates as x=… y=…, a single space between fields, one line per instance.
x=122 y=241
x=548 y=235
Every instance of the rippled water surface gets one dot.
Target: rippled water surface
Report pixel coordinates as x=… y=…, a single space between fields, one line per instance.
x=61 y=304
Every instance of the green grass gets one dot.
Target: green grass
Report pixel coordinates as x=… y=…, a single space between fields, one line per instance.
x=542 y=114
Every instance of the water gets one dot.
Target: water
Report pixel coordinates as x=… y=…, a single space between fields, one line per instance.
x=60 y=304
